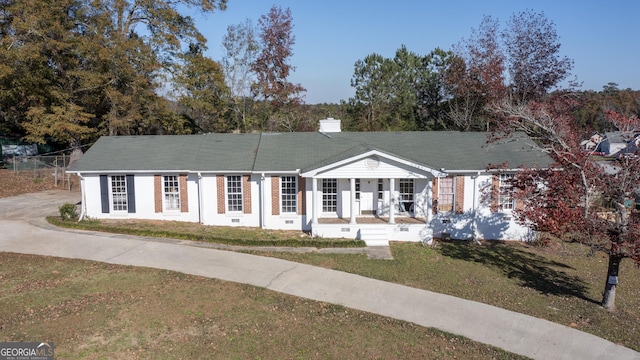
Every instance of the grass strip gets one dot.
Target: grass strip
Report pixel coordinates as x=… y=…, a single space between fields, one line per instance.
x=236 y=237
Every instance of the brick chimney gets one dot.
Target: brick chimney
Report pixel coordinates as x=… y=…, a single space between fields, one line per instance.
x=329 y=125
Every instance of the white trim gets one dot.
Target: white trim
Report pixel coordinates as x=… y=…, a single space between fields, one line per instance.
x=261 y=210
x=295 y=197
x=506 y=190
x=392 y=200
x=334 y=203
x=207 y=172
x=226 y=196
x=412 y=194
x=317 y=172
x=200 y=201
x=83 y=198
x=121 y=171
x=447 y=172
x=352 y=201
x=126 y=194
x=314 y=201
x=164 y=199
x=474 y=224
x=439 y=195
x=271 y=173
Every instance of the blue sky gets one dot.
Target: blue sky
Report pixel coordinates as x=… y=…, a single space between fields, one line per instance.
x=602 y=37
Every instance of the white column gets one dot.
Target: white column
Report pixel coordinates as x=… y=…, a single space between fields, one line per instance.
x=263 y=187
x=429 y=214
x=352 y=200
x=476 y=235
x=200 y=202
x=392 y=201
x=314 y=201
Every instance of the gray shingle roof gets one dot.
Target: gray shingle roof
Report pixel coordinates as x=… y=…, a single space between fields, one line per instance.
x=231 y=152
x=274 y=152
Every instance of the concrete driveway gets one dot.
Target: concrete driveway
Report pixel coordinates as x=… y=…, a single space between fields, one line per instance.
x=24 y=230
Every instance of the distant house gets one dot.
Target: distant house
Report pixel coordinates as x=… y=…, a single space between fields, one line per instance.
x=594 y=144
x=617 y=143
x=374 y=186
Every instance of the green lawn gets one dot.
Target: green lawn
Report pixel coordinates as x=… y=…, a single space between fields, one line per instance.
x=94 y=310
x=560 y=283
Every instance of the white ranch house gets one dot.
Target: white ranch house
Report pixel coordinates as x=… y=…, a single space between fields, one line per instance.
x=374 y=186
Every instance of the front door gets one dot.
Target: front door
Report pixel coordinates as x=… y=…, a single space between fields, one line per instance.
x=368 y=188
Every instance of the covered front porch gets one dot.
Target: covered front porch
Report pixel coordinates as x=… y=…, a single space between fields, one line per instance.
x=374 y=230
x=372 y=196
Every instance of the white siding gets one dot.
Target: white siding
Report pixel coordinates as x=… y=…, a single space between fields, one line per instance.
x=280 y=221
x=422 y=206
x=210 y=204
x=480 y=222
x=145 y=202
x=363 y=169
x=92 y=197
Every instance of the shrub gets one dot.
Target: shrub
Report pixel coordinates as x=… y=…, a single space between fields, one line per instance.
x=541 y=239
x=68 y=212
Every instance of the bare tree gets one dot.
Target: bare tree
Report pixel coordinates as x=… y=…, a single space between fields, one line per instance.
x=241 y=48
x=533 y=52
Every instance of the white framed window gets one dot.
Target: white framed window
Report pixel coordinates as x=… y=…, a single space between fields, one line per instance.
x=234 y=193
x=329 y=195
x=506 y=201
x=289 y=194
x=446 y=194
x=406 y=195
x=171 y=190
x=380 y=189
x=119 y=193
x=357 y=189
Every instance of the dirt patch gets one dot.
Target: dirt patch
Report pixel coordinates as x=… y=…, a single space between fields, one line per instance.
x=12 y=184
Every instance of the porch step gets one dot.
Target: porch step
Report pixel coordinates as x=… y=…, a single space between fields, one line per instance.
x=374 y=236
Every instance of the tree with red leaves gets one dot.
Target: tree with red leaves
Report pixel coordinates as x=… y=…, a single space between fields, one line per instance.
x=475 y=77
x=583 y=198
x=271 y=66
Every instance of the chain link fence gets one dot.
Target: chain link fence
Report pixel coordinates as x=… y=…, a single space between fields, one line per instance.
x=40 y=166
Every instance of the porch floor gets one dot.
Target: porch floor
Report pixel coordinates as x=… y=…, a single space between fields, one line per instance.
x=373 y=220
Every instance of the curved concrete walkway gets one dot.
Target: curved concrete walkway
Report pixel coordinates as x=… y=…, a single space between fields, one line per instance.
x=24 y=230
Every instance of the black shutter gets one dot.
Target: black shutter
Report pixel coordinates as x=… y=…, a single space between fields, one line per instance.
x=104 y=193
x=131 y=194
